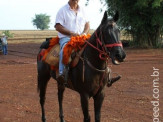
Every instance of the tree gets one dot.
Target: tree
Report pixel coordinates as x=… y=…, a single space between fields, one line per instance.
x=143 y=19
x=8 y=33
x=41 y=21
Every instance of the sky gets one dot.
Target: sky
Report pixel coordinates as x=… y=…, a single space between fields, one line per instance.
x=18 y=14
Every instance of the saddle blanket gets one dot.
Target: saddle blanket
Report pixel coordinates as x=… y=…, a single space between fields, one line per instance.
x=51 y=54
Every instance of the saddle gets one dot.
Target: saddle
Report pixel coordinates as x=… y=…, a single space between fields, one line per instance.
x=52 y=57
x=71 y=52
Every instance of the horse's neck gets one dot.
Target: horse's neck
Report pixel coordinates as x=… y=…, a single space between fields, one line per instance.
x=92 y=54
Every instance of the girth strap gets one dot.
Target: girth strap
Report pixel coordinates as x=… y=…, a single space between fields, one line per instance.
x=94 y=68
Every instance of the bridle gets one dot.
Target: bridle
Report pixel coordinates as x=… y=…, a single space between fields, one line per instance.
x=104 y=54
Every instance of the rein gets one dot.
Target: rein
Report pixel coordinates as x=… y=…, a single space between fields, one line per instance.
x=103 y=55
x=100 y=51
x=93 y=67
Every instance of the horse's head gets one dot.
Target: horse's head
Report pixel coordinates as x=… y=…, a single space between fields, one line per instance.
x=109 y=35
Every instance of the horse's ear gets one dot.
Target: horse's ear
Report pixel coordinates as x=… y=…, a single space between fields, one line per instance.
x=116 y=16
x=104 y=17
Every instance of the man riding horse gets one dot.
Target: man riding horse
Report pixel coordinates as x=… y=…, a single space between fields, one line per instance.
x=71 y=20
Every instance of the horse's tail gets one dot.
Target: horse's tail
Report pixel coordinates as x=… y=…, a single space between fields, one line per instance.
x=38 y=77
x=43 y=72
x=38 y=83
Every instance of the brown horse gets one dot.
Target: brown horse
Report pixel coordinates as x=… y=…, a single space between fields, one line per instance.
x=90 y=76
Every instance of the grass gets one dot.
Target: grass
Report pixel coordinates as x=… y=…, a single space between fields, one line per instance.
x=36 y=36
x=31 y=36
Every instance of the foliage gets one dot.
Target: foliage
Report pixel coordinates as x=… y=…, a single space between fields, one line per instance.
x=41 y=21
x=143 y=19
x=8 y=33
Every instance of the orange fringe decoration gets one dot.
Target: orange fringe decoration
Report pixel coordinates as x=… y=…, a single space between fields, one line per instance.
x=53 y=42
x=75 y=44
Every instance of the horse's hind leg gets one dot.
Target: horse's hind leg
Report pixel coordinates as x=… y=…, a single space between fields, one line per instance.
x=84 y=103
x=98 y=100
x=42 y=84
x=61 y=89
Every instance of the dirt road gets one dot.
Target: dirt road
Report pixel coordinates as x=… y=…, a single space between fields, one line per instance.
x=128 y=100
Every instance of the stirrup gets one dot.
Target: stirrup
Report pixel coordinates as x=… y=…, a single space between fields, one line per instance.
x=61 y=79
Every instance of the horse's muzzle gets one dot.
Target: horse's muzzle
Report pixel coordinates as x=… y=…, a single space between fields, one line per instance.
x=117 y=55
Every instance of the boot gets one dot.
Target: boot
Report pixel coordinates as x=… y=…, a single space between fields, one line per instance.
x=60 y=79
x=112 y=80
x=63 y=78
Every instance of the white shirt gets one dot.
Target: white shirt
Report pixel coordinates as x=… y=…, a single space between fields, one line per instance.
x=70 y=20
x=4 y=40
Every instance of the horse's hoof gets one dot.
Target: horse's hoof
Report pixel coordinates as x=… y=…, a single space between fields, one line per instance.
x=43 y=119
x=62 y=120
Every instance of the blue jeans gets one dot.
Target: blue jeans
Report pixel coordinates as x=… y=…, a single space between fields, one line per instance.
x=62 y=42
x=4 y=48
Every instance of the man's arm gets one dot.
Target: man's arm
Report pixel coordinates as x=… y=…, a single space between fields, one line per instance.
x=86 y=28
x=64 y=31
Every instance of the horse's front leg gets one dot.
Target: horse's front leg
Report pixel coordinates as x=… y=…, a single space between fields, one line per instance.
x=98 y=100
x=84 y=103
x=61 y=89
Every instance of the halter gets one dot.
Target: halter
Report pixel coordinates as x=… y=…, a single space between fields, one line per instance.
x=103 y=55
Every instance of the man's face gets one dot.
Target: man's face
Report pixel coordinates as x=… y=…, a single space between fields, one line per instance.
x=75 y=1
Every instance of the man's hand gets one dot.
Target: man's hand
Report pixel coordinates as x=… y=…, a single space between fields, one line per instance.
x=73 y=34
x=83 y=34
x=86 y=29
x=65 y=31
